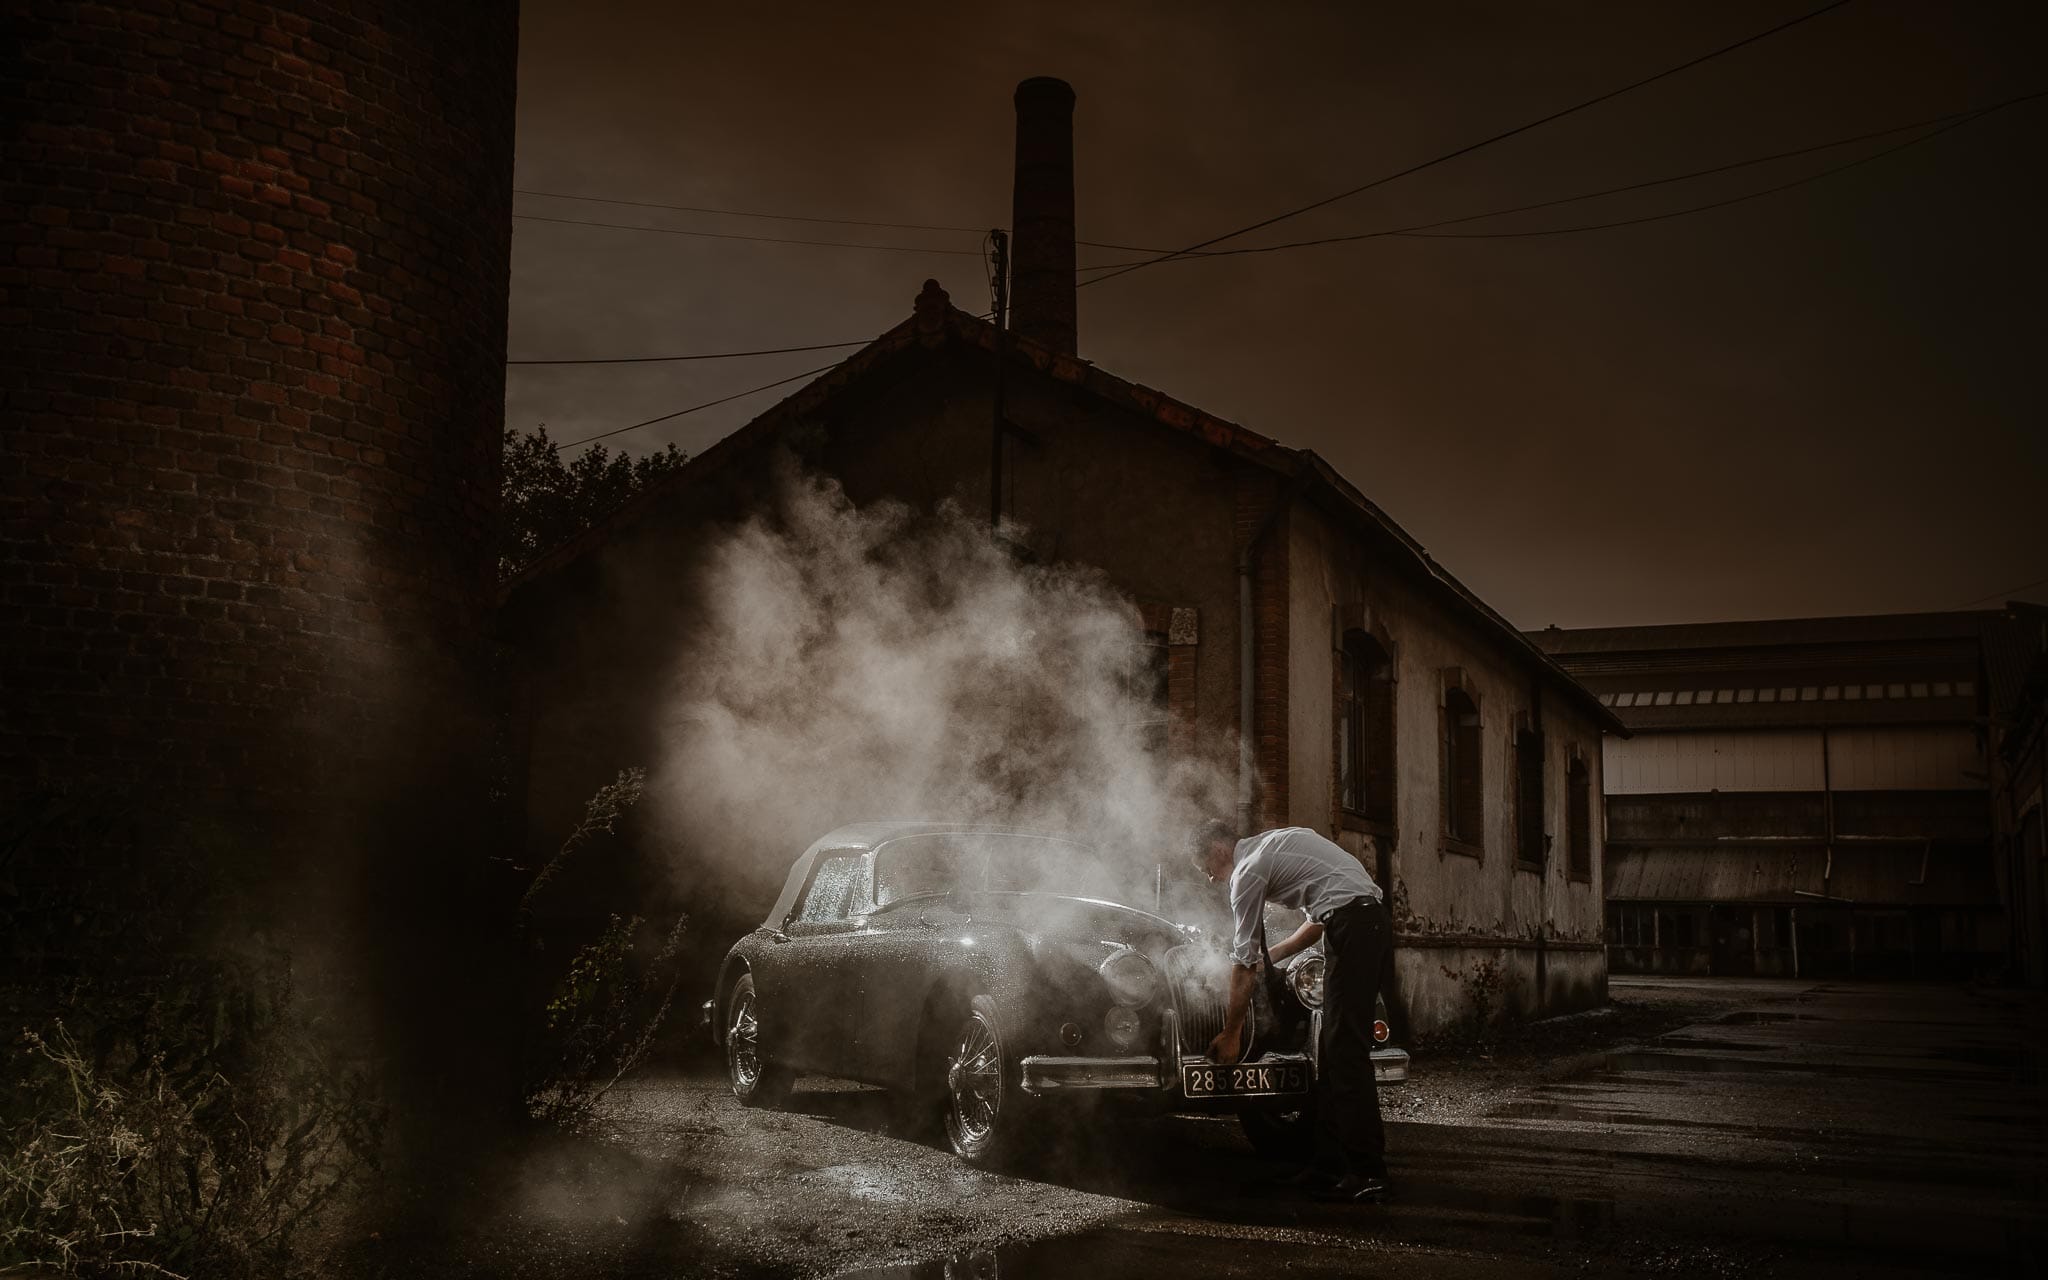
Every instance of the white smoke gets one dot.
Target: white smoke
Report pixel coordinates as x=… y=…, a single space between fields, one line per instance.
x=878 y=663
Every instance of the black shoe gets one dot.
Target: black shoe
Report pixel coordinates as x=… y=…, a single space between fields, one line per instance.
x=1355 y=1188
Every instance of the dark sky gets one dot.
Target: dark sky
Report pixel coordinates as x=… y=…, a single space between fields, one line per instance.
x=1824 y=401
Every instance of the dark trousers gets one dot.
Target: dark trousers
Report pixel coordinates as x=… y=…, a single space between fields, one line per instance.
x=1349 y=1136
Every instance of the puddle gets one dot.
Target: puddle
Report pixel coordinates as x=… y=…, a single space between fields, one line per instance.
x=871 y=1183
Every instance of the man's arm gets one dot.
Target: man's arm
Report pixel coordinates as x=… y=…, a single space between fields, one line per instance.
x=1228 y=1046
x=1295 y=943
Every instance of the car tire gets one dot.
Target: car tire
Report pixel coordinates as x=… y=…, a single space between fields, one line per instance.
x=1281 y=1134
x=755 y=1081
x=985 y=1108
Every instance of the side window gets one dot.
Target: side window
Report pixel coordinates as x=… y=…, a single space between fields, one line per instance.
x=1365 y=736
x=1529 y=833
x=1463 y=774
x=838 y=889
x=1579 y=818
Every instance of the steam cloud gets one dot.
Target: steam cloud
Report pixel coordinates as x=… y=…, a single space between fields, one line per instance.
x=878 y=663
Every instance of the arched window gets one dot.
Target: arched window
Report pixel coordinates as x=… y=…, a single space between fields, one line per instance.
x=1578 y=781
x=1464 y=778
x=1365 y=731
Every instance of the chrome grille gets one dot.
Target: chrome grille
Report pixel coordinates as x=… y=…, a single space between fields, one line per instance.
x=1193 y=973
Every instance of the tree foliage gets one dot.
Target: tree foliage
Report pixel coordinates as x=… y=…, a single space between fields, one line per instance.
x=547 y=500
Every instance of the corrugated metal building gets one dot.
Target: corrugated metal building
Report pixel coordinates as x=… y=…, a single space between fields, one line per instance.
x=1802 y=797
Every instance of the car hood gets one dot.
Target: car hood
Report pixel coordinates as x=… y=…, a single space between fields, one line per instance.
x=1054 y=918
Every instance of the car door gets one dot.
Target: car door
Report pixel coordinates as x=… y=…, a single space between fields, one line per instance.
x=811 y=988
x=905 y=948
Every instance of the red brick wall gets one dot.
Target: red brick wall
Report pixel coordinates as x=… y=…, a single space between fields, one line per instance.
x=253 y=272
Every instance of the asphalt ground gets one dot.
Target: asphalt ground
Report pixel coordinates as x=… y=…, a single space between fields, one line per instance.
x=1765 y=1129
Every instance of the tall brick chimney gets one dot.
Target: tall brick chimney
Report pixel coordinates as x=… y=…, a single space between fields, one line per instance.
x=1042 y=215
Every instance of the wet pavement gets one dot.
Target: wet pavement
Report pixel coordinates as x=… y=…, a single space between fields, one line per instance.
x=1796 y=1129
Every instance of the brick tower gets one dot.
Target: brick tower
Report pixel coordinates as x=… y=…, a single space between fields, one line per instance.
x=252 y=336
x=254 y=258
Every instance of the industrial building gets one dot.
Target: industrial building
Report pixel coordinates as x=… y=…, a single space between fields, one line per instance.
x=1804 y=797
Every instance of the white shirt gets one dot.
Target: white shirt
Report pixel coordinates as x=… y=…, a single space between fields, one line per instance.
x=1297 y=868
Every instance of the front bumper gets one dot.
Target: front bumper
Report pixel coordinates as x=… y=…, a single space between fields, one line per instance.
x=1053 y=1073
x=1056 y=1073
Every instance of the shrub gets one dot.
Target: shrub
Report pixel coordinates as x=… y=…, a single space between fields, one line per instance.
x=605 y=1008
x=171 y=1107
x=604 y=1015
x=210 y=1152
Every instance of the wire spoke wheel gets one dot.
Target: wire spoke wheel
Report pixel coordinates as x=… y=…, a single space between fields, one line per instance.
x=743 y=1044
x=990 y=1120
x=974 y=1078
x=756 y=1079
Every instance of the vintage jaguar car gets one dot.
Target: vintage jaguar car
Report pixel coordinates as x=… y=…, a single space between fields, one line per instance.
x=982 y=974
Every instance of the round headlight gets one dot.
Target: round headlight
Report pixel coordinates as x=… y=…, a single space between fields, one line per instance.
x=1306 y=977
x=1131 y=977
x=1121 y=1025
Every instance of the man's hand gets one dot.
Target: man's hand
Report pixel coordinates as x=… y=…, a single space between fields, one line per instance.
x=1227 y=1047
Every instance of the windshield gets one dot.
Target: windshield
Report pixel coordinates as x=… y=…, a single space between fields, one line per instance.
x=919 y=865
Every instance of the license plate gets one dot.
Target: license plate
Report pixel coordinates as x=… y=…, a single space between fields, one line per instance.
x=1249 y=1080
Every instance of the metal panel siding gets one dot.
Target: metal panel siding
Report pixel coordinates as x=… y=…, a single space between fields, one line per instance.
x=1906 y=759
x=1715 y=874
x=1695 y=762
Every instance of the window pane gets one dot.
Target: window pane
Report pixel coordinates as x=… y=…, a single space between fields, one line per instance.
x=832 y=891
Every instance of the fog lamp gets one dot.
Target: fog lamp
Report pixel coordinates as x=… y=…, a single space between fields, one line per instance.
x=1070 y=1034
x=1120 y=1024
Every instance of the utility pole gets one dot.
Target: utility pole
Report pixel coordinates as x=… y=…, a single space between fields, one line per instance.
x=999 y=287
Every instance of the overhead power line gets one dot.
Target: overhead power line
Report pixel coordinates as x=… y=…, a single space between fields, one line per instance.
x=795 y=217
x=1722 y=203
x=704 y=355
x=1470 y=147
x=1948 y=121
x=2006 y=594
x=737 y=395
x=711 y=404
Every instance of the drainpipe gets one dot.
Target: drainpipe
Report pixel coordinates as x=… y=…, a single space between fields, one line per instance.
x=1247 y=701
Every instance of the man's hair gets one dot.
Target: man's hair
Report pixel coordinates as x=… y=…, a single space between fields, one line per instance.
x=1206 y=834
